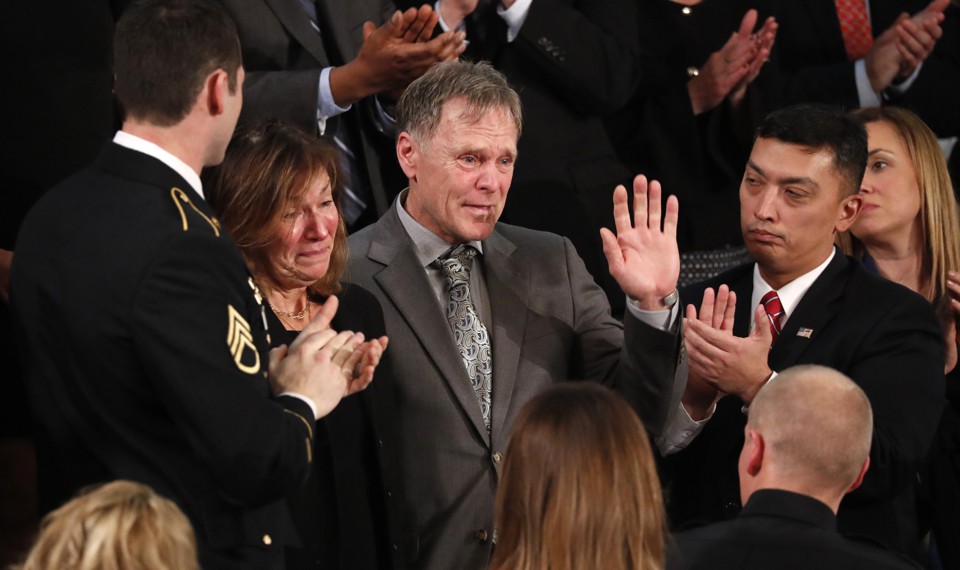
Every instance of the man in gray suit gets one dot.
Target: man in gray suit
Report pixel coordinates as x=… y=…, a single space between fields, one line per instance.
x=521 y=307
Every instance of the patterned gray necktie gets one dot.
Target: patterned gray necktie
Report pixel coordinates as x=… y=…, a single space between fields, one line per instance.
x=468 y=330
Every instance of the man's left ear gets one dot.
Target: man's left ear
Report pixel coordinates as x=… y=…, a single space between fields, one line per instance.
x=849 y=209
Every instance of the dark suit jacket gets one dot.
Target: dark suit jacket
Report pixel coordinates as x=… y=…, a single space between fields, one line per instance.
x=782 y=530
x=283 y=57
x=812 y=64
x=573 y=62
x=880 y=334
x=698 y=158
x=355 y=459
x=145 y=354
x=550 y=323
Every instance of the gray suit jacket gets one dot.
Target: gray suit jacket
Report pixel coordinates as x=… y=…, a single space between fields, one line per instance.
x=283 y=56
x=551 y=323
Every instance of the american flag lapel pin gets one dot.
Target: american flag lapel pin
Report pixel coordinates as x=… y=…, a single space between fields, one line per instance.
x=804 y=332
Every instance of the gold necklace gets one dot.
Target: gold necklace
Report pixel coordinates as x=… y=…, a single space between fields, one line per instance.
x=291 y=315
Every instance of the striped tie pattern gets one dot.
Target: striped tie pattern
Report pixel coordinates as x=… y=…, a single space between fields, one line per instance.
x=855 y=27
x=469 y=333
x=771 y=304
x=353 y=198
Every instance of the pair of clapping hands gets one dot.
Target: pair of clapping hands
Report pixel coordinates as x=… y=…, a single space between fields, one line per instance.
x=323 y=364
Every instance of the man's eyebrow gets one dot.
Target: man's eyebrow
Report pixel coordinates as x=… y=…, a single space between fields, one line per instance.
x=803 y=180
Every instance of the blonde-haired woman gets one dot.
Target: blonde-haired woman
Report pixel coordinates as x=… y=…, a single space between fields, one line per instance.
x=118 y=526
x=908 y=232
x=579 y=489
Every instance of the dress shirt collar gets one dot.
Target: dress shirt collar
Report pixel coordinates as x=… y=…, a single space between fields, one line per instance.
x=427 y=245
x=138 y=144
x=791 y=293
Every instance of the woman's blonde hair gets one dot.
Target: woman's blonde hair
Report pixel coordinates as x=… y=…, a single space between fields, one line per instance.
x=267 y=168
x=118 y=526
x=939 y=223
x=579 y=489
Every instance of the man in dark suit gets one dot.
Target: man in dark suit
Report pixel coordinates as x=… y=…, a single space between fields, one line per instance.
x=792 y=484
x=815 y=61
x=482 y=316
x=142 y=336
x=799 y=190
x=326 y=67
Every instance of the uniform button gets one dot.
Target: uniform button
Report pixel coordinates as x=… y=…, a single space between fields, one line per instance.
x=380 y=443
x=267 y=539
x=686 y=10
x=395 y=548
x=692 y=72
x=481 y=535
x=730 y=510
x=497 y=457
x=389 y=493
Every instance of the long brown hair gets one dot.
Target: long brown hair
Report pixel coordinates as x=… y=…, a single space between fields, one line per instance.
x=579 y=489
x=939 y=223
x=267 y=168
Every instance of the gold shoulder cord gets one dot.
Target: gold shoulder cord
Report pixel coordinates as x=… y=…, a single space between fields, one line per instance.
x=178 y=196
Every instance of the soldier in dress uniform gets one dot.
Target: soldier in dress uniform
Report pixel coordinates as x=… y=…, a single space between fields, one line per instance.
x=143 y=337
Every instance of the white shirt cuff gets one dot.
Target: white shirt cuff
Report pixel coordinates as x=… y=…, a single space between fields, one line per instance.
x=681 y=430
x=326 y=106
x=865 y=93
x=902 y=87
x=660 y=320
x=443 y=23
x=514 y=16
x=306 y=400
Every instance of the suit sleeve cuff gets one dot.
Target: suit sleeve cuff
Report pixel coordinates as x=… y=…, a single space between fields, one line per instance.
x=305 y=400
x=681 y=430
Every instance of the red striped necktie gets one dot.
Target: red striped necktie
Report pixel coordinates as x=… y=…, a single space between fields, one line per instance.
x=771 y=304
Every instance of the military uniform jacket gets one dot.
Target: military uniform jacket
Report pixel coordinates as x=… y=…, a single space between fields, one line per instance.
x=145 y=353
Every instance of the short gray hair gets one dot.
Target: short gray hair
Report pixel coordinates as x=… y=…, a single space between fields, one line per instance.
x=482 y=87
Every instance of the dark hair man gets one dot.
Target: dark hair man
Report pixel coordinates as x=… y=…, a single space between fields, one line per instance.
x=142 y=335
x=803 y=302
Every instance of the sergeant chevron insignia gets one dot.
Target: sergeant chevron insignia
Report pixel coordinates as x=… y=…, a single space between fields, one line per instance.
x=240 y=341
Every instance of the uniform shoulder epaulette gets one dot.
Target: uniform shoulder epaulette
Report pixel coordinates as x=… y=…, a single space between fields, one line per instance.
x=180 y=198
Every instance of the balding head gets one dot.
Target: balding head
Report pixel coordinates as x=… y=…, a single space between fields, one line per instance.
x=813 y=426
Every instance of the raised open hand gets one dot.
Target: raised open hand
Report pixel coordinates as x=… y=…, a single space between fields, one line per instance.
x=643 y=256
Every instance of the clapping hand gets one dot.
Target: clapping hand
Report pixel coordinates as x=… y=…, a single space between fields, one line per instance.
x=716 y=311
x=731 y=364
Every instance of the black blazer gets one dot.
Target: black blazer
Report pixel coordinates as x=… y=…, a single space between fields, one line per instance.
x=782 y=530
x=146 y=358
x=698 y=158
x=367 y=426
x=880 y=334
x=573 y=62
